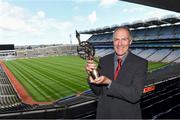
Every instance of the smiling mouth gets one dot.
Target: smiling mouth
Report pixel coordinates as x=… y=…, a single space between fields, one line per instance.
x=120 y=48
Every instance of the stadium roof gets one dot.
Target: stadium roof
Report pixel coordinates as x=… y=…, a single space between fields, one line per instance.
x=172 y=5
x=170 y=19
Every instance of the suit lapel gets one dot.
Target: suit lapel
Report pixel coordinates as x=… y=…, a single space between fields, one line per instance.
x=111 y=67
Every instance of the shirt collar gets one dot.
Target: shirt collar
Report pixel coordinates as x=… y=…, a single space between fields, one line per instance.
x=123 y=58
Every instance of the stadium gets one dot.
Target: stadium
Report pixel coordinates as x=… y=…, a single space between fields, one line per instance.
x=43 y=82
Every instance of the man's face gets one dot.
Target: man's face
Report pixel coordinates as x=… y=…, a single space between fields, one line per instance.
x=122 y=41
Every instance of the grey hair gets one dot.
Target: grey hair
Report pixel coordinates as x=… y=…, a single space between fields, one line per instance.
x=125 y=28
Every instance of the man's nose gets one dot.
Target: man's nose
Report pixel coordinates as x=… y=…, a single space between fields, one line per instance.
x=120 y=42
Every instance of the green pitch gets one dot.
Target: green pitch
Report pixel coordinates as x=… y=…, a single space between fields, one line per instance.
x=156 y=65
x=52 y=78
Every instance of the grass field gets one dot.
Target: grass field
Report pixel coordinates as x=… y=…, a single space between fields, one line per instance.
x=155 y=65
x=52 y=78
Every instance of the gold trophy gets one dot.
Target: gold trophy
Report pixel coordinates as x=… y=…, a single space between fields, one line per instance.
x=86 y=51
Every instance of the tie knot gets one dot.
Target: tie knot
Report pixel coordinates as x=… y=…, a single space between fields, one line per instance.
x=119 y=61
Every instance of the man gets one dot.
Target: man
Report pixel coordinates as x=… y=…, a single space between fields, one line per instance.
x=121 y=81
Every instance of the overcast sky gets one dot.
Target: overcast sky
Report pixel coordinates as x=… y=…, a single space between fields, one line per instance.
x=33 y=22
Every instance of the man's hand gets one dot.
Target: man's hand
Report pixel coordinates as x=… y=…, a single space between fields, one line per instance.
x=100 y=80
x=90 y=66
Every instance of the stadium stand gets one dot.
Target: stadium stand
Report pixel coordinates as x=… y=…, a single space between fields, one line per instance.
x=137 y=51
x=159 y=55
x=146 y=53
x=164 y=98
x=8 y=95
x=175 y=54
x=9 y=99
x=156 y=40
x=47 y=51
x=7 y=51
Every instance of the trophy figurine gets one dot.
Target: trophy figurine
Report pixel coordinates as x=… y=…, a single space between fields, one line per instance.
x=86 y=51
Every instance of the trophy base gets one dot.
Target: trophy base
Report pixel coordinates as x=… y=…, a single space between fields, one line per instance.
x=94 y=74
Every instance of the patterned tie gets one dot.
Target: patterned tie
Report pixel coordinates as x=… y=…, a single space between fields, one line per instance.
x=117 y=68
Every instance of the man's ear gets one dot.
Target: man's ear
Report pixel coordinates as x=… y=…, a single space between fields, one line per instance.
x=130 y=41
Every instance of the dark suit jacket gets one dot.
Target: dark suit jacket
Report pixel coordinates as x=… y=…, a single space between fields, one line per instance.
x=121 y=100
